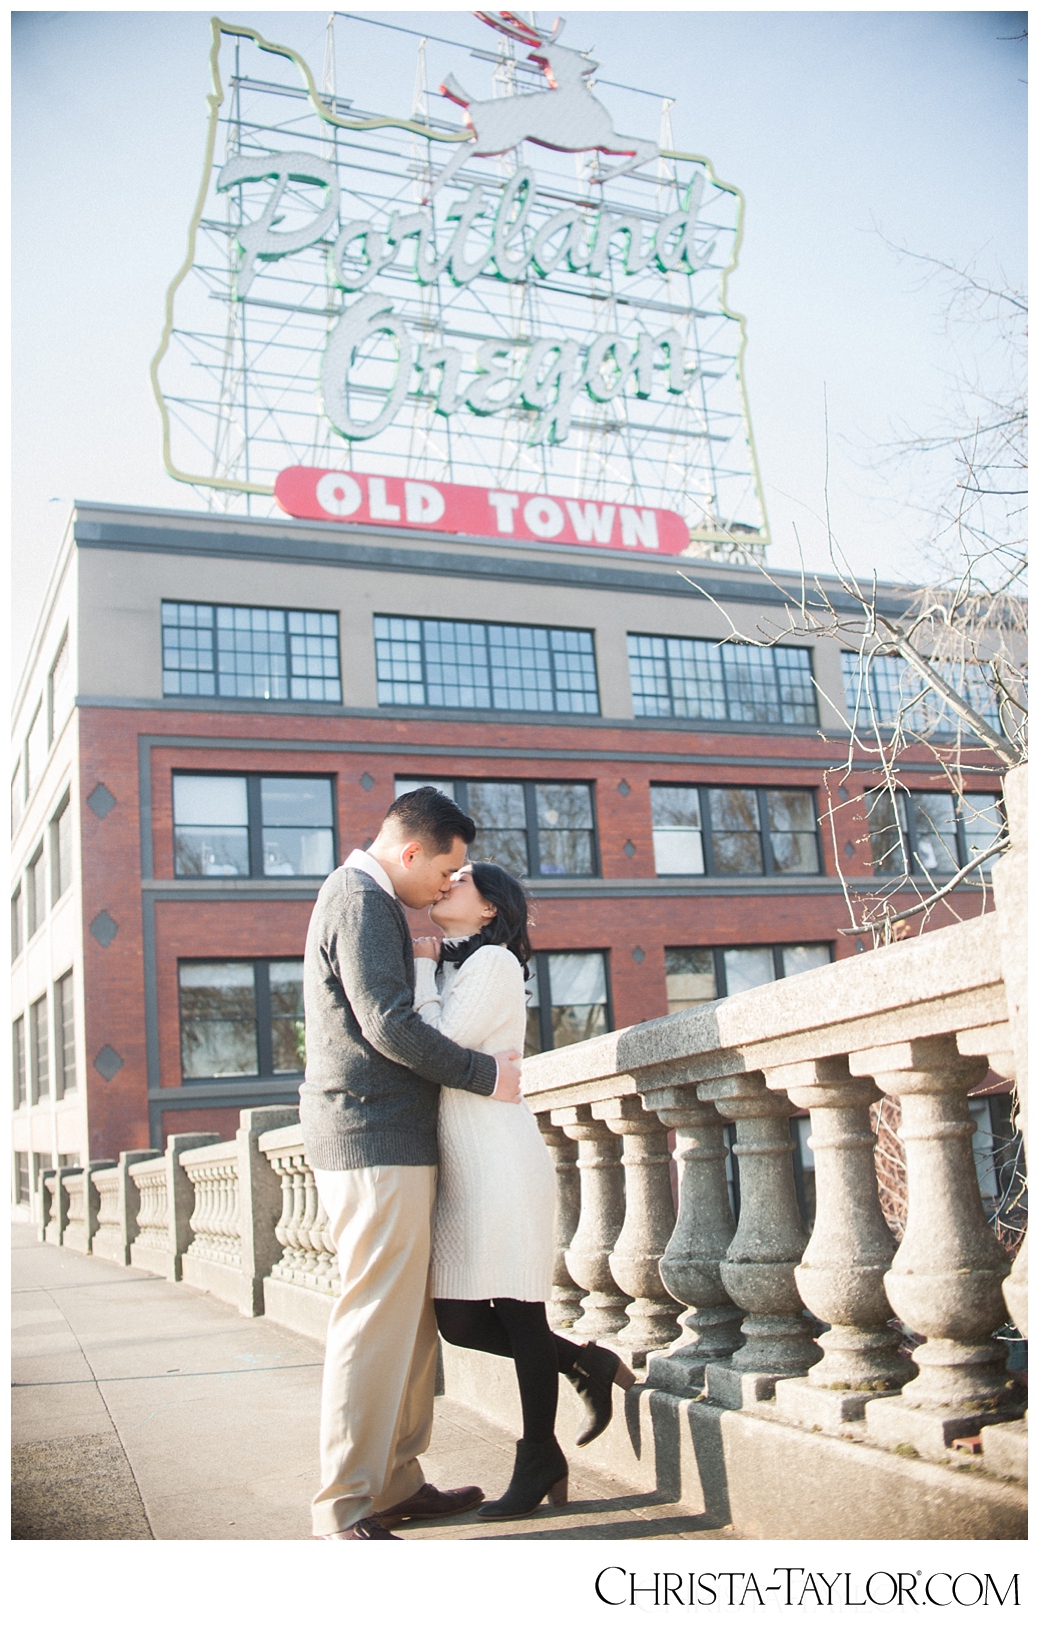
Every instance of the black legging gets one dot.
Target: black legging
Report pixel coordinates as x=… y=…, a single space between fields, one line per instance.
x=518 y=1330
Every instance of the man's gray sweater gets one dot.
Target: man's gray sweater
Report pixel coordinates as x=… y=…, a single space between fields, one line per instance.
x=374 y=1069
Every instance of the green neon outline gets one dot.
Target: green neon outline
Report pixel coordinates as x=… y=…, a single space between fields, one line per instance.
x=215 y=101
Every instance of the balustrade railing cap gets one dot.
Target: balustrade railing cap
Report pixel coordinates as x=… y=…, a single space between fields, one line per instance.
x=948 y=979
x=211 y=1154
x=284 y=1137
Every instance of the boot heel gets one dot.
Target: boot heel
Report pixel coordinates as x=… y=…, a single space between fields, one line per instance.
x=557 y=1494
x=624 y=1377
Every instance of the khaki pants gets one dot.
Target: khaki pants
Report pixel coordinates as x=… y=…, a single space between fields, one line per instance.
x=380 y=1356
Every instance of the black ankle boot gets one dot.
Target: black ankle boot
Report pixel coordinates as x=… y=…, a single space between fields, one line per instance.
x=540 y=1468
x=594 y=1374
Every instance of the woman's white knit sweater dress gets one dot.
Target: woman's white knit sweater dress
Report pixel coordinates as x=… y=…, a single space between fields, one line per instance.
x=493 y=1233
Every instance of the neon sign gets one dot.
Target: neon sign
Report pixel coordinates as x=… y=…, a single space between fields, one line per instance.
x=464 y=307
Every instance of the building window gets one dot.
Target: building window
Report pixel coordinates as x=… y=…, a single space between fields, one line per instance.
x=253 y=825
x=698 y=678
x=241 y=1019
x=480 y=665
x=17 y=796
x=35 y=892
x=885 y=690
x=567 y=999
x=39 y=1062
x=17 y=924
x=36 y=748
x=236 y=650
x=59 y=689
x=931 y=833
x=734 y=831
x=19 y=1074
x=533 y=829
x=23 y=1179
x=61 y=849
x=695 y=974
x=64 y=1038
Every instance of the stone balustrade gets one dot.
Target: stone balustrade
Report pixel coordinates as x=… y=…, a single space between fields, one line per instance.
x=777 y=1389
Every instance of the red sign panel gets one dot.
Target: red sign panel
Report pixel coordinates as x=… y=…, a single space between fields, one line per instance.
x=476 y=511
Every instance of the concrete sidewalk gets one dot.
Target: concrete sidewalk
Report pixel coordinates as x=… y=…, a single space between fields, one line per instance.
x=149 y=1410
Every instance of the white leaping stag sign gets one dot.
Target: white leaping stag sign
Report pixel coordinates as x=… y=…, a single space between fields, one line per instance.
x=566 y=117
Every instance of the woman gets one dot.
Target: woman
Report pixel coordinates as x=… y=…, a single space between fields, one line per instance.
x=493 y=1243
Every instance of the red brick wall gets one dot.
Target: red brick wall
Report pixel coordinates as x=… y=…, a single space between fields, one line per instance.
x=112 y=879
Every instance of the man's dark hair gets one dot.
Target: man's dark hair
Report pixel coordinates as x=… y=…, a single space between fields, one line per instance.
x=431 y=818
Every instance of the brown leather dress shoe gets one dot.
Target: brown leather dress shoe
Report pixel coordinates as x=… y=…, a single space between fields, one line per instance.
x=369 y=1527
x=430 y=1501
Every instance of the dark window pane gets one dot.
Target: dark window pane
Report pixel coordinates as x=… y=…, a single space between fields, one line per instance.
x=64 y=1037
x=689 y=976
x=737 y=843
x=750 y=684
x=300 y=852
x=213 y=853
x=217 y=1019
x=564 y=830
x=505 y=848
x=936 y=831
x=17 y=936
x=495 y=804
x=792 y=825
x=475 y=665
x=302 y=802
x=801 y=958
x=982 y=825
x=62 y=851
x=677 y=841
x=577 y=981
x=887 y=824
x=565 y=853
x=746 y=969
x=288 y=1041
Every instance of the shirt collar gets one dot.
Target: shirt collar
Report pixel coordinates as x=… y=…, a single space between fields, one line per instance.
x=361 y=860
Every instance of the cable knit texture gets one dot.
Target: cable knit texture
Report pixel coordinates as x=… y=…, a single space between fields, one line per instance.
x=493 y=1232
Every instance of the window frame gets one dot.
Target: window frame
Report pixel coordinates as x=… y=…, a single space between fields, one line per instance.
x=254 y=816
x=908 y=835
x=39 y=1085
x=769 y=868
x=540 y=959
x=491 y=708
x=726 y=717
x=66 y=1081
x=35 y=892
x=53 y=721
x=264 y=1039
x=530 y=801
x=273 y=701
x=19 y=1062
x=718 y=954
x=63 y=810
x=18 y=933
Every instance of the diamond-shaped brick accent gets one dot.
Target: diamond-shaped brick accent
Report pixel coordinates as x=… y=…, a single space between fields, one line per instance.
x=624 y=789
x=849 y=849
x=629 y=848
x=108 y=1062
x=367 y=781
x=101 y=800
x=104 y=928
x=638 y=955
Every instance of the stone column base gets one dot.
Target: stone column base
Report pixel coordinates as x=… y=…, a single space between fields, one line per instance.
x=822 y=1406
x=295 y=1307
x=150 y=1259
x=735 y=1388
x=891 y=1423
x=671 y=1372
x=1005 y=1449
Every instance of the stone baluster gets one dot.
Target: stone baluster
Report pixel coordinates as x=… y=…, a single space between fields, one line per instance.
x=690 y=1268
x=307 y=1227
x=602 y=1216
x=841 y=1276
x=770 y=1239
x=327 y=1270
x=946 y=1280
x=283 y=1165
x=566 y=1295
x=649 y=1220
x=297 y=1245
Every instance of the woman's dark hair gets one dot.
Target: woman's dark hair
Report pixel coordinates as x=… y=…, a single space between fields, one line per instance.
x=508 y=927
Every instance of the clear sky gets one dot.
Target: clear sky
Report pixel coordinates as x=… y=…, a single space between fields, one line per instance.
x=839 y=126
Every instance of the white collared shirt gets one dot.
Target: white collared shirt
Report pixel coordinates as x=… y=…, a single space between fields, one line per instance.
x=360 y=860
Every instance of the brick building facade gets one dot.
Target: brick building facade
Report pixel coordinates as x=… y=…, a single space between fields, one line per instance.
x=216 y=710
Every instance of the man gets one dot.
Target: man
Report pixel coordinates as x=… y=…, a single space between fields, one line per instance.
x=369 y=1114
